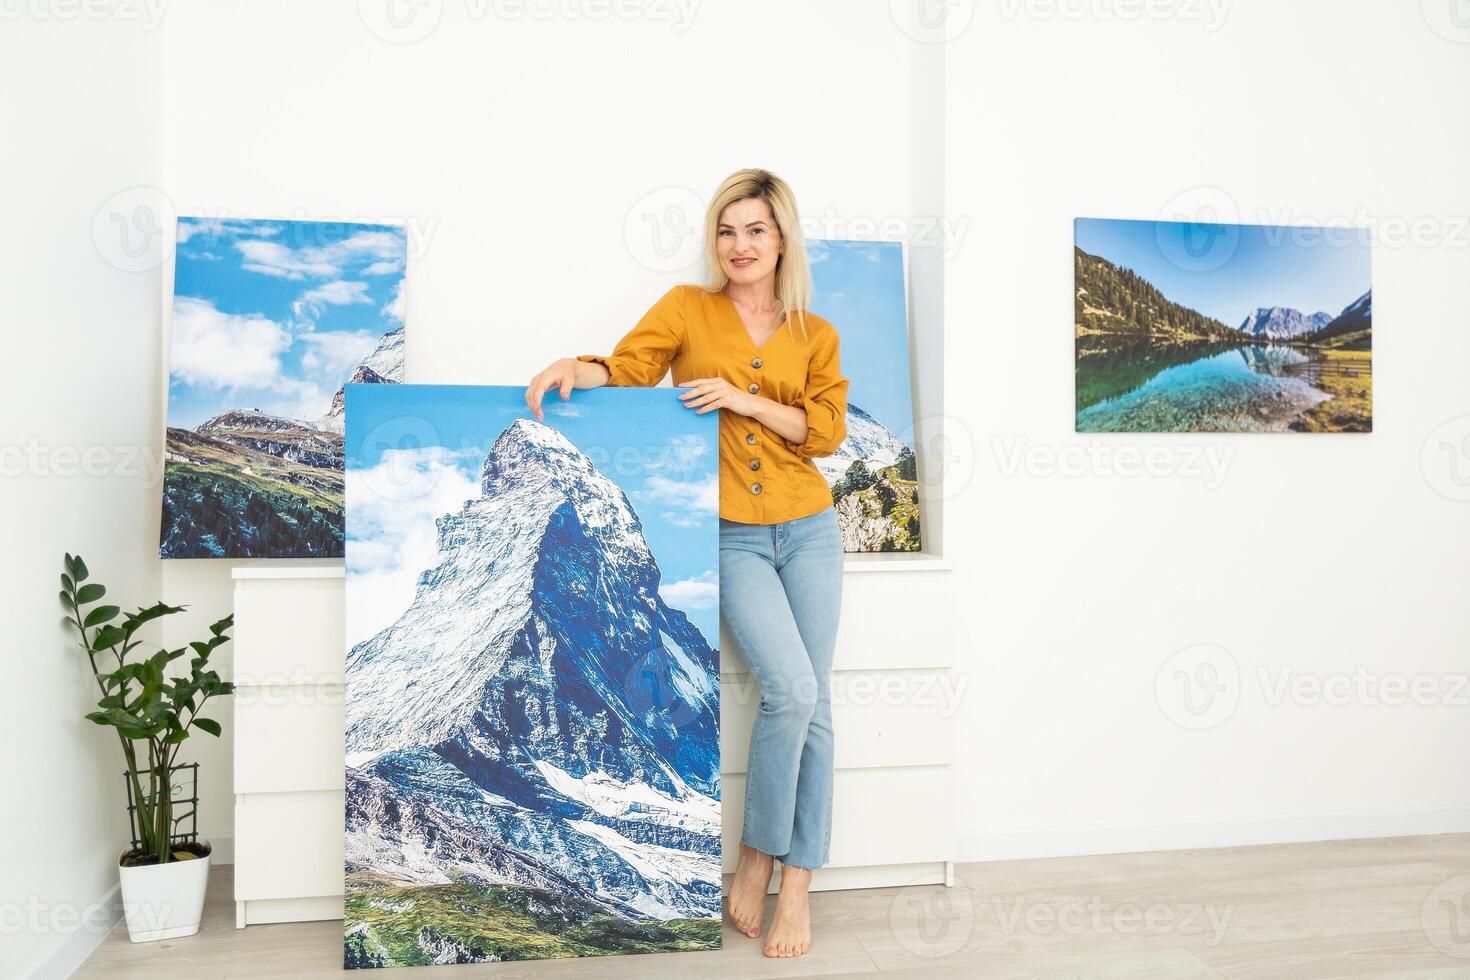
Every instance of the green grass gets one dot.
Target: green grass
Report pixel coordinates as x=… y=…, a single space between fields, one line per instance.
x=503 y=922
x=1351 y=407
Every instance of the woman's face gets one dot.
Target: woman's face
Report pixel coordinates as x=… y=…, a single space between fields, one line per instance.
x=748 y=242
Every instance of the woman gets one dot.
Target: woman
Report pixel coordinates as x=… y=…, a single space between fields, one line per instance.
x=746 y=344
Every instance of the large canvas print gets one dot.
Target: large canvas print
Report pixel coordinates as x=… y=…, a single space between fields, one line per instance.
x=270 y=319
x=860 y=286
x=532 y=700
x=1190 y=327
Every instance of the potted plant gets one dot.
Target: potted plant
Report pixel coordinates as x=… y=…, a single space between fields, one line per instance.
x=163 y=879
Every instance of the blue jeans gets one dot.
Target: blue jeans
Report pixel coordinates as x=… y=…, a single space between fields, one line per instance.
x=780 y=598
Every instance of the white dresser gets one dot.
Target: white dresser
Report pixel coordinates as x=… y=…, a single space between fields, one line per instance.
x=894 y=702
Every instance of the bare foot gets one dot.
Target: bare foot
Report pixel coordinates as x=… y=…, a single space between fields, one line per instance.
x=748 y=889
x=791 y=928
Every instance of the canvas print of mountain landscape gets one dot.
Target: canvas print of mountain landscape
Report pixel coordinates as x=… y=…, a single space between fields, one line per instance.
x=1186 y=327
x=270 y=318
x=860 y=287
x=532 y=700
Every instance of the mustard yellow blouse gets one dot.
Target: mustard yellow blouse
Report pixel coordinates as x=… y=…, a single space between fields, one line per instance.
x=764 y=477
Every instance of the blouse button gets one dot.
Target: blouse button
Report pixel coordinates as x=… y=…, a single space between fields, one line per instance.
x=750 y=438
x=753 y=388
x=756 y=363
x=755 y=464
x=755 y=488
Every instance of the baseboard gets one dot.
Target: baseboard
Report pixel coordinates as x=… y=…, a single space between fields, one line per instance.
x=1013 y=844
x=63 y=959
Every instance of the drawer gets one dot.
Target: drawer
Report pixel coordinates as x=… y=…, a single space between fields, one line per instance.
x=289 y=845
x=879 y=718
x=289 y=739
x=289 y=631
x=879 y=816
x=873 y=635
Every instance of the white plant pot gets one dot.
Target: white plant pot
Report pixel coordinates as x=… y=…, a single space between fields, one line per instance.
x=164 y=901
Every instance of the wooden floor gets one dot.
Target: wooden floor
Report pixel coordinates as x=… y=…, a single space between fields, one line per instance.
x=1395 y=907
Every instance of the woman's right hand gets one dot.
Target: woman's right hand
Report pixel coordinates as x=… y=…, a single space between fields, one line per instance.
x=561 y=373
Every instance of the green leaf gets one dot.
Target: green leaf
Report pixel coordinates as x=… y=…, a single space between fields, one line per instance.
x=132 y=621
x=176 y=736
x=65 y=599
x=107 y=637
x=90 y=593
x=78 y=568
x=100 y=615
x=222 y=625
x=67 y=583
x=209 y=725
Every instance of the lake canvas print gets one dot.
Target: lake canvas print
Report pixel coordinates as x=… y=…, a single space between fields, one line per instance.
x=270 y=320
x=532 y=699
x=1189 y=327
x=860 y=287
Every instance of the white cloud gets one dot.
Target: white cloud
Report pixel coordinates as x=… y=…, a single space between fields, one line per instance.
x=383 y=268
x=682 y=452
x=394 y=309
x=338 y=292
x=215 y=227
x=698 y=495
x=700 y=592
x=391 y=537
x=275 y=259
x=336 y=352
x=224 y=350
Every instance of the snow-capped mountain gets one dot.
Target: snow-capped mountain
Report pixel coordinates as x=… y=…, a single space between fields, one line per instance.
x=382 y=365
x=867 y=439
x=538 y=715
x=1282 y=323
x=288 y=439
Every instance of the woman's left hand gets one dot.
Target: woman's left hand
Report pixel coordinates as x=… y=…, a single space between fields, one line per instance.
x=707 y=394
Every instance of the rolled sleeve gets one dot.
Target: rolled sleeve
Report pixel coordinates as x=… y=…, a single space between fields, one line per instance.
x=825 y=401
x=641 y=358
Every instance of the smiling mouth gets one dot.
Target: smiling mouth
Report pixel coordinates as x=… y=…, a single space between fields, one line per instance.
x=742 y=263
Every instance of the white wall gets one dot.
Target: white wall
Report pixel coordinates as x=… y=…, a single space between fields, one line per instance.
x=1317 y=554
x=519 y=151
x=79 y=427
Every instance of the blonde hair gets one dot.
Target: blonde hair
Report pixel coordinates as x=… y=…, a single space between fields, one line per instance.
x=793 y=272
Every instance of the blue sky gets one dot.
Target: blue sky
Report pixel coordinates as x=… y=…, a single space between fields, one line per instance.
x=663 y=456
x=275 y=315
x=1226 y=271
x=859 y=287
